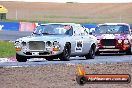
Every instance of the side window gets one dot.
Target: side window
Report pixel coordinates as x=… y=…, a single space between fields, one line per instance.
x=80 y=31
x=69 y=31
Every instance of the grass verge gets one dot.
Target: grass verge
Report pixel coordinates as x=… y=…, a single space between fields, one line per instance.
x=47 y=21
x=7 y=49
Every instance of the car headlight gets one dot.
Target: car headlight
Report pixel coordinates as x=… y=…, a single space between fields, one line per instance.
x=55 y=43
x=98 y=41
x=126 y=41
x=17 y=44
x=56 y=46
x=119 y=41
x=23 y=43
x=48 y=44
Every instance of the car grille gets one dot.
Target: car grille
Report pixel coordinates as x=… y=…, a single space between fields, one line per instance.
x=108 y=42
x=36 y=45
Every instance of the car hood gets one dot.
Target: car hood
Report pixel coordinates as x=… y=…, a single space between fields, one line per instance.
x=111 y=36
x=43 y=38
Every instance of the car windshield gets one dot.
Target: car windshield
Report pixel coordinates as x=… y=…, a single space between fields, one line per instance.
x=112 y=29
x=54 y=29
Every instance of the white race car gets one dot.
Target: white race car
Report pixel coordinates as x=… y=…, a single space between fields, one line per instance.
x=56 y=40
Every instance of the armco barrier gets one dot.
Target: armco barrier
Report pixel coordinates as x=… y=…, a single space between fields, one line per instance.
x=27 y=26
x=12 y=26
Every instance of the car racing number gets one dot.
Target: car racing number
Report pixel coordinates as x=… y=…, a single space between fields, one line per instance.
x=79 y=46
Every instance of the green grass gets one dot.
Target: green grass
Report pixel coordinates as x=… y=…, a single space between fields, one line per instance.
x=7 y=49
x=47 y=21
x=11 y=20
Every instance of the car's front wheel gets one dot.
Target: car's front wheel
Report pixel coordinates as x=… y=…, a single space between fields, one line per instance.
x=21 y=58
x=91 y=54
x=49 y=58
x=65 y=56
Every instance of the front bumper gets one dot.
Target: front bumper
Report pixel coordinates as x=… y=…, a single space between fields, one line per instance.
x=112 y=45
x=110 y=50
x=38 y=53
x=113 y=49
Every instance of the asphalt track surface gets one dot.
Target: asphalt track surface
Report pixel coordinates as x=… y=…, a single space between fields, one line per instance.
x=103 y=58
x=12 y=35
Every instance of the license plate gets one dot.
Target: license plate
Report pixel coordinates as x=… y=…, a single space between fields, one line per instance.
x=35 y=53
x=108 y=46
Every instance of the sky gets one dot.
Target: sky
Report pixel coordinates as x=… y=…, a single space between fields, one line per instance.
x=80 y=1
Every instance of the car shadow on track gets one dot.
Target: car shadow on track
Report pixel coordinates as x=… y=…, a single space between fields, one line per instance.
x=83 y=58
x=111 y=54
x=56 y=60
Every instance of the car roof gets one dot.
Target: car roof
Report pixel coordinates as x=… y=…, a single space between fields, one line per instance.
x=71 y=24
x=57 y=23
x=114 y=24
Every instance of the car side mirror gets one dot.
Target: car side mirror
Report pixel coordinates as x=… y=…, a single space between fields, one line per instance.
x=90 y=33
x=32 y=33
x=74 y=33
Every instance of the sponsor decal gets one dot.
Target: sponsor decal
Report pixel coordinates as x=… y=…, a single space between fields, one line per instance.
x=79 y=46
x=83 y=78
x=1 y=26
x=27 y=26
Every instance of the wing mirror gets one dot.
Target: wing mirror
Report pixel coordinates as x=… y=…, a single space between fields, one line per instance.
x=92 y=32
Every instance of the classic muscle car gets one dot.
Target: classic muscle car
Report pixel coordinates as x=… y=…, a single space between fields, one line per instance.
x=113 y=37
x=56 y=40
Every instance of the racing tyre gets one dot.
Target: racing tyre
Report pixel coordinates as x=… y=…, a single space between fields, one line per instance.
x=49 y=58
x=91 y=54
x=21 y=58
x=128 y=52
x=65 y=56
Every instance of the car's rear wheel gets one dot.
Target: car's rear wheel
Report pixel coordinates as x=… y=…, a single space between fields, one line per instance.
x=91 y=54
x=65 y=56
x=128 y=52
x=21 y=58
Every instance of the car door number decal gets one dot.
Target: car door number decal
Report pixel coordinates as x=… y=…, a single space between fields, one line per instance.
x=79 y=46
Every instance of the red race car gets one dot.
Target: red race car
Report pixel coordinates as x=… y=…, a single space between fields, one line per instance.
x=114 y=37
